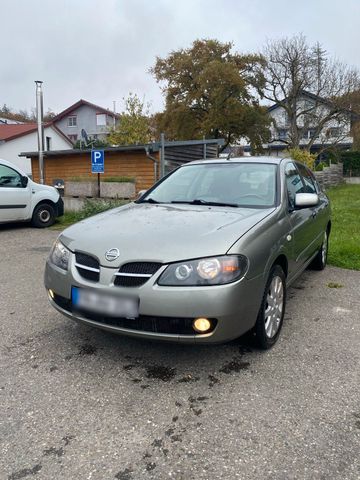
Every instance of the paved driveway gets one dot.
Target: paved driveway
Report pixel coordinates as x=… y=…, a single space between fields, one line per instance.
x=78 y=403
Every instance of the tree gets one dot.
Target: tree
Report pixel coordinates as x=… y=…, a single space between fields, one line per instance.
x=5 y=110
x=49 y=115
x=352 y=101
x=209 y=91
x=293 y=67
x=134 y=124
x=23 y=115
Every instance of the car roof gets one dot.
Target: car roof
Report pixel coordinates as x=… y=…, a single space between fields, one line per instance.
x=260 y=159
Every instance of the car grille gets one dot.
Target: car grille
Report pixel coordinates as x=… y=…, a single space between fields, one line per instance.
x=135 y=274
x=87 y=266
x=144 y=323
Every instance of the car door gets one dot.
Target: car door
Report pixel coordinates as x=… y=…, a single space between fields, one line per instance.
x=302 y=220
x=319 y=212
x=14 y=196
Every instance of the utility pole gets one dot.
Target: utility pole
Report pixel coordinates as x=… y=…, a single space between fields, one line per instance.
x=40 y=127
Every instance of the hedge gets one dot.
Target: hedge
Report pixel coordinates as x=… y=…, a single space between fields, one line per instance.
x=351 y=162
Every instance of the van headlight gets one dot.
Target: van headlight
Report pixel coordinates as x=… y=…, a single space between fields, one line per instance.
x=59 y=255
x=205 y=271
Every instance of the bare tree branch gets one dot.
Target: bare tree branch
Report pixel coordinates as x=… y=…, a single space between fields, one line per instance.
x=311 y=87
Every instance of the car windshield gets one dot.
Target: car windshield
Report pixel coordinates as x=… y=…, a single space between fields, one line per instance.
x=219 y=184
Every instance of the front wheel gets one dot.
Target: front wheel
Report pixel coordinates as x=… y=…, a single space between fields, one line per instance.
x=271 y=315
x=43 y=216
x=319 y=262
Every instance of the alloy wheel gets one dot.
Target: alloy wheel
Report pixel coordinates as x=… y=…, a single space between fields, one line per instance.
x=274 y=307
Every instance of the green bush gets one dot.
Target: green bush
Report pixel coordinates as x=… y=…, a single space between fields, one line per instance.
x=82 y=179
x=119 y=179
x=351 y=162
x=91 y=207
x=303 y=156
x=320 y=167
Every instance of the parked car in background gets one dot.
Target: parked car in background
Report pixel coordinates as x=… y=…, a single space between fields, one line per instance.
x=203 y=256
x=23 y=200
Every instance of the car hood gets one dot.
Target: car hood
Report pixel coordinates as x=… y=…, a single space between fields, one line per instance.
x=162 y=233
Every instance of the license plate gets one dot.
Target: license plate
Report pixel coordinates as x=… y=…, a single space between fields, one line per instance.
x=104 y=303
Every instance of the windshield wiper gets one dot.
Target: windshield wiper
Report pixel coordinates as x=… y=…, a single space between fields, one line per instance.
x=199 y=201
x=149 y=200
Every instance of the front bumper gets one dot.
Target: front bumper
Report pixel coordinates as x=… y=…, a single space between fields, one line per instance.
x=234 y=307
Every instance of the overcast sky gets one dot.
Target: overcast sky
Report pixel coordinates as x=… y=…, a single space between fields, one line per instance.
x=100 y=50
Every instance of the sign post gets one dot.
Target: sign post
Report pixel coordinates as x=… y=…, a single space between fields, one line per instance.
x=98 y=164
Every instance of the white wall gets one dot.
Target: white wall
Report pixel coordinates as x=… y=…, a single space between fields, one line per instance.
x=11 y=149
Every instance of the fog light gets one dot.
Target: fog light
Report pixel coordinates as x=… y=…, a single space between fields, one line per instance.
x=51 y=293
x=201 y=325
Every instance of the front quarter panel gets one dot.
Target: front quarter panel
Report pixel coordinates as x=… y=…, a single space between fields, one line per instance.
x=40 y=193
x=264 y=243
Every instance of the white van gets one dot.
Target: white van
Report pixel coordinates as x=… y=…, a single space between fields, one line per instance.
x=23 y=200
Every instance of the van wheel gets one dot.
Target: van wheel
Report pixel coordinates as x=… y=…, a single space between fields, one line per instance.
x=271 y=315
x=43 y=216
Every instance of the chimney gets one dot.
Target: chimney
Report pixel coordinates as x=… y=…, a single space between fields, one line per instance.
x=40 y=127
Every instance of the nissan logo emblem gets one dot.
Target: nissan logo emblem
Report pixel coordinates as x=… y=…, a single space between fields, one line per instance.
x=112 y=254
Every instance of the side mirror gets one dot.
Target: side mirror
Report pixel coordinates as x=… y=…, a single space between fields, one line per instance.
x=24 y=181
x=303 y=200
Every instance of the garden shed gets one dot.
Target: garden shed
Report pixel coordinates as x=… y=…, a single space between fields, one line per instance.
x=143 y=163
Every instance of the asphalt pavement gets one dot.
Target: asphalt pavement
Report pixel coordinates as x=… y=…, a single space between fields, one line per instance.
x=78 y=403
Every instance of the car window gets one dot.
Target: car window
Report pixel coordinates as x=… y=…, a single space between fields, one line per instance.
x=309 y=186
x=294 y=183
x=9 y=178
x=241 y=184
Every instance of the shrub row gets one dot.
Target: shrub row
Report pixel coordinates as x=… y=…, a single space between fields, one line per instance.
x=351 y=162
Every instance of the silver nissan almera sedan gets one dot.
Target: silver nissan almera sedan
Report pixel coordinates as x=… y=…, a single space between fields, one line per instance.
x=204 y=256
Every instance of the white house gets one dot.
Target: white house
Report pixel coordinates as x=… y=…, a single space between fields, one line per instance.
x=313 y=111
x=17 y=138
x=9 y=121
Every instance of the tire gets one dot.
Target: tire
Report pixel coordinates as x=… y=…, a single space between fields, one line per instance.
x=268 y=327
x=43 y=216
x=319 y=262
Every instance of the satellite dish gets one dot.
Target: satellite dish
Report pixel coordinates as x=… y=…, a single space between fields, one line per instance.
x=84 y=135
x=87 y=141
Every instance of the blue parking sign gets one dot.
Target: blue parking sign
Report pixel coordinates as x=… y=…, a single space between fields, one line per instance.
x=97 y=161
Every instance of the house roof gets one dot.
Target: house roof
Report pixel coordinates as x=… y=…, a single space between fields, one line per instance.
x=312 y=96
x=80 y=103
x=61 y=133
x=150 y=147
x=303 y=93
x=11 y=131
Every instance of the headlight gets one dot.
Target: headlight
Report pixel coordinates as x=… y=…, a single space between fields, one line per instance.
x=205 y=271
x=60 y=255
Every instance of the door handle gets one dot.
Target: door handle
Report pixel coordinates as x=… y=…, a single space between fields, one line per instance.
x=314 y=213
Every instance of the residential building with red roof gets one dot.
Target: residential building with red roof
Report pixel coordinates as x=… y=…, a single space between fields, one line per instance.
x=17 y=138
